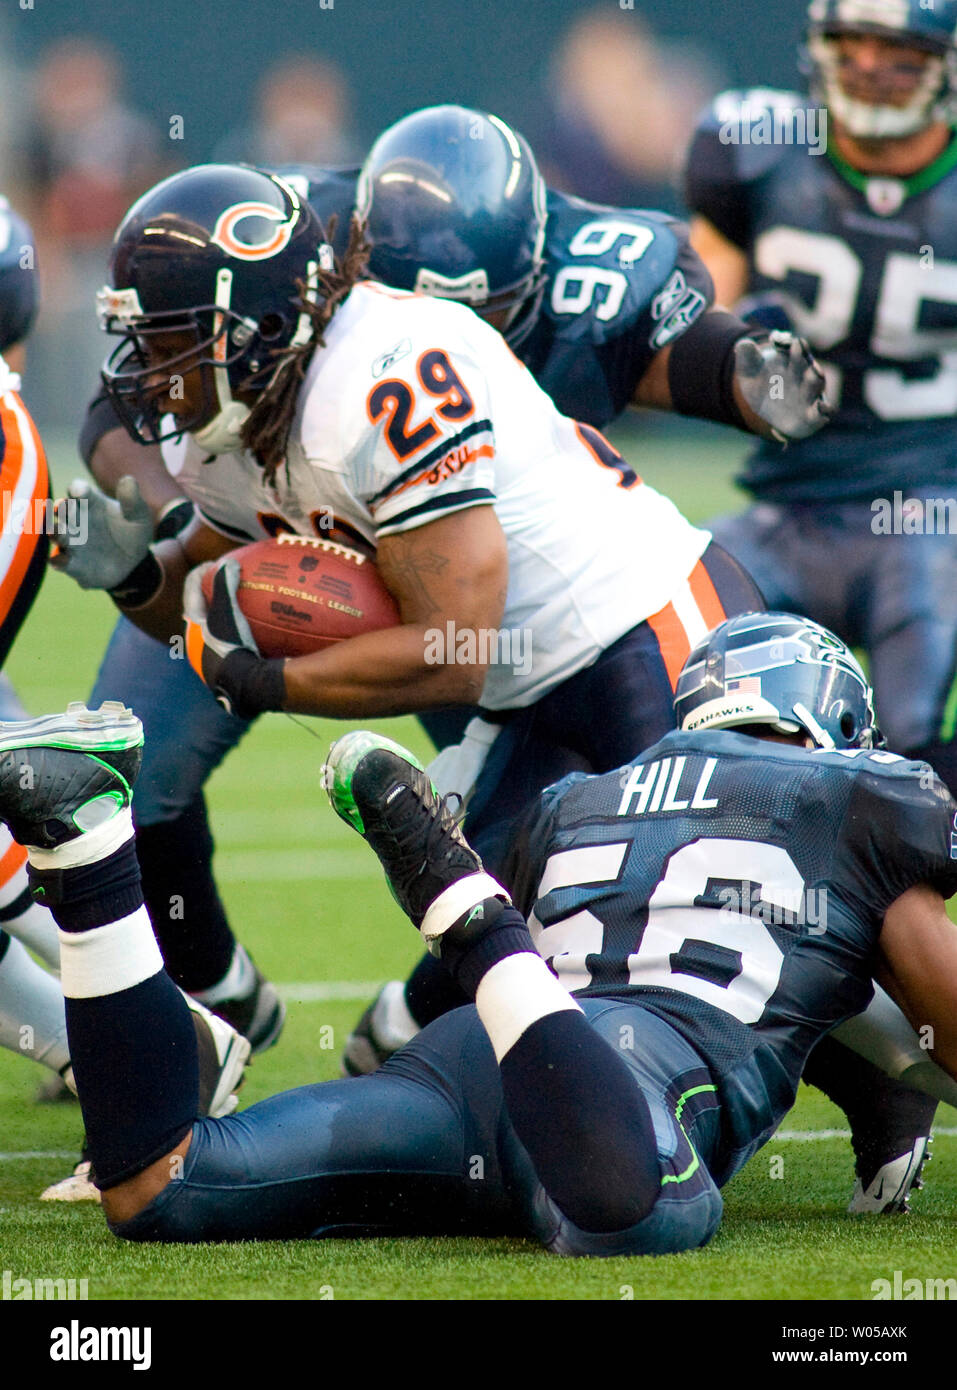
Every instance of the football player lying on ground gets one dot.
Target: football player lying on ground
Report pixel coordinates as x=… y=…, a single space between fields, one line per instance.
x=673 y=895
x=606 y=306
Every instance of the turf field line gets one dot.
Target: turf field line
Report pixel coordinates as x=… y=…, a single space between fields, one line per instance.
x=810 y=1136
x=16 y=1156
x=321 y=991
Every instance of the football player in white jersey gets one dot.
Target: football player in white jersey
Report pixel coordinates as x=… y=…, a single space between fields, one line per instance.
x=287 y=397
x=173 y=835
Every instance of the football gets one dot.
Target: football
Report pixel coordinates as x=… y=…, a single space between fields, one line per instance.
x=300 y=595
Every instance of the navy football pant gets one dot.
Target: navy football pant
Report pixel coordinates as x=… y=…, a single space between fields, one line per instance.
x=602 y=716
x=425 y=1147
x=188 y=734
x=608 y=713
x=893 y=595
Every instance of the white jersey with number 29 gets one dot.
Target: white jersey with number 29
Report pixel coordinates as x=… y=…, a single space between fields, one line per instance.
x=416 y=408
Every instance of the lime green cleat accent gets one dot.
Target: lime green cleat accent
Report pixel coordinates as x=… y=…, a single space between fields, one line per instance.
x=344 y=757
x=379 y=789
x=66 y=774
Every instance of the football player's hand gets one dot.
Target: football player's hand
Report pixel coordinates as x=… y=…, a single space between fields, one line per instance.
x=782 y=384
x=99 y=542
x=221 y=648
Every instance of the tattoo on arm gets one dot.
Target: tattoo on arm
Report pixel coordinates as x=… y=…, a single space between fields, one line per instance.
x=413 y=571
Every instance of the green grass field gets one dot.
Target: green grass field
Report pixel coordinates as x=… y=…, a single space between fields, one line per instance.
x=307 y=898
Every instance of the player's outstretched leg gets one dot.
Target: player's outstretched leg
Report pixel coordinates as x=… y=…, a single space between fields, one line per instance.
x=65 y=791
x=573 y=1102
x=187 y=736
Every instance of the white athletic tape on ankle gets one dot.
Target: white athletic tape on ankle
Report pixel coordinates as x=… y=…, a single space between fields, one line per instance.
x=238 y=982
x=87 y=848
x=392 y=1025
x=516 y=993
x=455 y=900
x=109 y=959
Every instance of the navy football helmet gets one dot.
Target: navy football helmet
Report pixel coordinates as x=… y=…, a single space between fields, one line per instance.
x=931 y=27
x=227 y=254
x=455 y=207
x=781 y=671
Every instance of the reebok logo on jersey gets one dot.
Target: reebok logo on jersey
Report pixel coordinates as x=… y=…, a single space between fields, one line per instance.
x=670 y=297
x=388 y=359
x=680 y=319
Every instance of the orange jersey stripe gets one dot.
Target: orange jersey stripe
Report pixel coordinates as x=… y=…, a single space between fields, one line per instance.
x=460 y=458
x=194 y=648
x=706 y=596
x=672 y=641
x=12 y=862
x=23 y=459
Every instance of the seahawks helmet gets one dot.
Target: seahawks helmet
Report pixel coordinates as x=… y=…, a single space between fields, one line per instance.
x=931 y=27
x=455 y=207
x=780 y=671
x=226 y=254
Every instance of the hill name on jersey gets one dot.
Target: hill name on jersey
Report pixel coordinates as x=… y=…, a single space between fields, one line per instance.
x=743 y=906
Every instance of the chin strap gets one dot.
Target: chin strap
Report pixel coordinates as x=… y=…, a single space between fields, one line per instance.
x=866 y=121
x=222 y=434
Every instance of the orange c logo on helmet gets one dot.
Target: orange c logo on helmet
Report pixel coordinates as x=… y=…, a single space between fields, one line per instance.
x=224 y=233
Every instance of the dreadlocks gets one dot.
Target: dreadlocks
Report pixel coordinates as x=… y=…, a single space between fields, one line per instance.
x=266 y=431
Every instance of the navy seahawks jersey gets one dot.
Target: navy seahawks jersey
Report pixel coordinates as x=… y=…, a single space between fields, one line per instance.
x=18 y=277
x=621 y=284
x=867 y=268
x=737 y=888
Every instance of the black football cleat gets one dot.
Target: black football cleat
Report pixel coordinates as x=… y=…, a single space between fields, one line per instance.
x=385 y=1026
x=222 y=1053
x=380 y=789
x=259 y=1015
x=891 y=1140
x=66 y=774
x=886 y=1190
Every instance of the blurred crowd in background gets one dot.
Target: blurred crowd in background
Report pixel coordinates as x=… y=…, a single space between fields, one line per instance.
x=610 y=123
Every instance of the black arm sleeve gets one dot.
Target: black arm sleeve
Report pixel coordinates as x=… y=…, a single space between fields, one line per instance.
x=701 y=368
x=101 y=418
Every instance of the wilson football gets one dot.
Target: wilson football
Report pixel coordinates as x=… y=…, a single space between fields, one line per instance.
x=300 y=595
